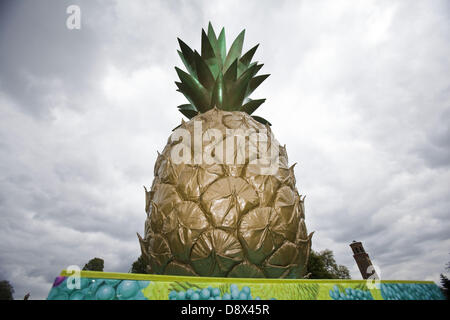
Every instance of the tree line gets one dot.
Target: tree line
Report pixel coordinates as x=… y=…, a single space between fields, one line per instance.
x=321 y=265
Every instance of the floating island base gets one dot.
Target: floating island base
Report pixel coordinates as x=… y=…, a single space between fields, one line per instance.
x=128 y=286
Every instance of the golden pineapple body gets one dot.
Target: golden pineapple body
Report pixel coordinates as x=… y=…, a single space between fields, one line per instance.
x=224 y=220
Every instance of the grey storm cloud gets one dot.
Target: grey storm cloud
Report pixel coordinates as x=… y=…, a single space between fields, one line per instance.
x=359 y=92
x=40 y=57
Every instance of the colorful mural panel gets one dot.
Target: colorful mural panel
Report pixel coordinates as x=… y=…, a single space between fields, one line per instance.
x=123 y=286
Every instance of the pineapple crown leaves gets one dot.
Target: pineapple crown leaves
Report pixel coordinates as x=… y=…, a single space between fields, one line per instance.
x=215 y=78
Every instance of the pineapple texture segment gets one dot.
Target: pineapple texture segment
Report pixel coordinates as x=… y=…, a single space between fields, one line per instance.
x=224 y=220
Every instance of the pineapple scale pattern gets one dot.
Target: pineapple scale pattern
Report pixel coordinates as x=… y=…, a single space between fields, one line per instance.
x=224 y=220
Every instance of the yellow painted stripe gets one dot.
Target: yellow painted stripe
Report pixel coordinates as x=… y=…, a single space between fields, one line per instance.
x=165 y=278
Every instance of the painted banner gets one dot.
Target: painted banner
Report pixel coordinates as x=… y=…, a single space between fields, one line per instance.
x=89 y=285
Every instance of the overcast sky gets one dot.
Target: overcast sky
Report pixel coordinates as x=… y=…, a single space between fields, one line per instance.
x=359 y=92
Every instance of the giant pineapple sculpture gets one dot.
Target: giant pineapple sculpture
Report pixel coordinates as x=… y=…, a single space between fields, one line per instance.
x=223 y=219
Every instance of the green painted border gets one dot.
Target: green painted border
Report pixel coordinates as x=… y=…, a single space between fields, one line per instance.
x=156 y=277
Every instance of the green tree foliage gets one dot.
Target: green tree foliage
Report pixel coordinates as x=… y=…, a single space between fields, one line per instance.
x=6 y=290
x=343 y=272
x=445 y=282
x=322 y=265
x=139 y=266
x=95 y=264
x=445 y=286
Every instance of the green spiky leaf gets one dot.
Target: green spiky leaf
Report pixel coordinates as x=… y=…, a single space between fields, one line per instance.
x=194 y=89
x=189 y=68
x=252 y=105
x=183 y=89
x=215 y=45
x=218 y=92
x=187 y=56
x=212 y=37
x=217 y=78
x=255 y=82
x=239 y=89
x=242 y=67
x=247 y=58
x=188 y=110
x=231 y=75
x=207 y=49
x=257 y=68
x=204 y=74
x=235 y=50
x=221 y=42
x=261 y=120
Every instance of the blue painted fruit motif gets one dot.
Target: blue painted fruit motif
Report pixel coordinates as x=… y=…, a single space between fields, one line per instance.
x=112 y=282
x=94 y=284
x=195 y=296
x=78 y=295
x=61 y=296
x=349 y=294
x=99 y=289
x=105 y=292
x=139 y=296
x=143 y=284
x=127 y=289
x=211 y=293
x=410 y=291
x=215 y=292
x=205 y=294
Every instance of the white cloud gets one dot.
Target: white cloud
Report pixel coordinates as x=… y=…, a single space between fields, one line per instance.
x=359 y=92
